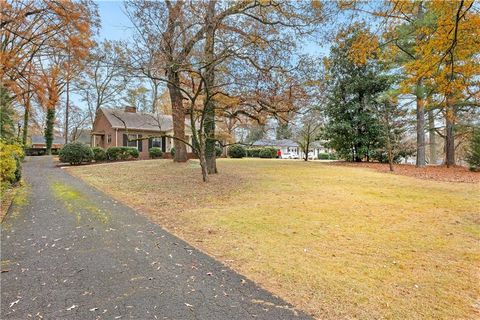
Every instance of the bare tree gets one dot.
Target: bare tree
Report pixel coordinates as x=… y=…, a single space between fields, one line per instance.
x=309 y=130
x=103 y=81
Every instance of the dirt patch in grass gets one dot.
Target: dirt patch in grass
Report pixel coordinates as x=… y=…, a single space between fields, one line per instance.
x=438 y=173
x=335 y=241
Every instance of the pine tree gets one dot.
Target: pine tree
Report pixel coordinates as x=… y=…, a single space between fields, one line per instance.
x=352 y=127
x=473 y=153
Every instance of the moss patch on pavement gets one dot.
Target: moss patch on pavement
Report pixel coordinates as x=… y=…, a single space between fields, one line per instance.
x=77 y=203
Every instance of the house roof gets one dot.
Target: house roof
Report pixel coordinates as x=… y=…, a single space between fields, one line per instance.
x=138 y=120
x=276 y=143
x=41 y=140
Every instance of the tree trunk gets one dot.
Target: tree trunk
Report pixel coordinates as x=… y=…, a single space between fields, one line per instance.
x=49 y=129
x=420 y=105
x=203 y=165
x=305 y=152
x=178 y=117
x=431 y=138
x=26 y=116
x=420 y=125
x=67 y=109
x=449 y=135
x=209 y=77
x=389 y=140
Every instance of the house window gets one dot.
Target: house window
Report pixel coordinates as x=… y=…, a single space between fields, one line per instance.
x=156 y=142
x=132 y=141
x=109 y=138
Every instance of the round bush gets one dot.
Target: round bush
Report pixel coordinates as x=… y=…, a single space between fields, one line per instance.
x=253 y=152
x=99 y=154
x=115 y=153
x=122 y=153
x=267 y=152
x=155 y=152
x=75 y=153
x=172 y=151
x=323 y=156
x=218 y=151
x=133 y=152
x=236 y=151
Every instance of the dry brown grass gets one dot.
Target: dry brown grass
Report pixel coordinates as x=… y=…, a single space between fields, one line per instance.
x=337 y=242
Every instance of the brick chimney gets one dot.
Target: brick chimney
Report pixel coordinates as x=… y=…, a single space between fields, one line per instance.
x=131 y=109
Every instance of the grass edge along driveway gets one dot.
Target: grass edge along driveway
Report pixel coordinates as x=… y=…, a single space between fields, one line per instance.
x=337 y=242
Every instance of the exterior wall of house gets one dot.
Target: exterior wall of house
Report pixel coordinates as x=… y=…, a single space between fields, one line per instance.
x=111 y=137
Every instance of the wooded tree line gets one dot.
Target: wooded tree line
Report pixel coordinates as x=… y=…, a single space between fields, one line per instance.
x=426 y=50
x=227 y=65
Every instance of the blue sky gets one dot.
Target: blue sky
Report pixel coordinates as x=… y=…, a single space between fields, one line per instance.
x=115 y=24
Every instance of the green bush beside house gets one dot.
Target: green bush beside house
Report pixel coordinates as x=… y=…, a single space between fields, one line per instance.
x=155 y=152
x=236 y=151
x=76 y=153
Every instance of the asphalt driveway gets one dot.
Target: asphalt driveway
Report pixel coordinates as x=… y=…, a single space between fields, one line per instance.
x=71 y=252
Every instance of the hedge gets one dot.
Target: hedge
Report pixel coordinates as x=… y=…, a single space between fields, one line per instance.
x=268 y=152
x=155 y=152
x=327 y=156
x=75 y=153
x=236 y=151
x=99 y=154
x=253 y=152
x=122 y=153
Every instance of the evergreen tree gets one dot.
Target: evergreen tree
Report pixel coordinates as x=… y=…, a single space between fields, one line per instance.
x=353 y=128
x=473 y=153
x=7 y=127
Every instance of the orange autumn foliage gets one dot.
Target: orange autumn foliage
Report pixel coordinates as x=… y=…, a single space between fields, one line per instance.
x=33 y=30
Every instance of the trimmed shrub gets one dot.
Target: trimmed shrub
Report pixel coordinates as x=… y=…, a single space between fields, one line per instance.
x=268 y=152
x=253 y=152
x=236 y=151
x=473 y=152
x=99 y=154
x=133 y=152
x=75 y=153
x=323 y=156
x=155 y=152
x=172 y=151
x=116 y=153
x=218 y=151
x=122 y=153
x=10 y=164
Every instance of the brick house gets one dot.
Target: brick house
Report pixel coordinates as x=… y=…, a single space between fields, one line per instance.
x=116 y=128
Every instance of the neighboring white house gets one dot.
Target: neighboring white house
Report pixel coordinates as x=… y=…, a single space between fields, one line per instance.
x=290 y=146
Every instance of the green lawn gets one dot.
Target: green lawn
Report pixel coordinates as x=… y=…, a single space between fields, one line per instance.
x=337 y=242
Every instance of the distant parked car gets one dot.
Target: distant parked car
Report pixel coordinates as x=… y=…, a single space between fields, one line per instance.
x=289 y=155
